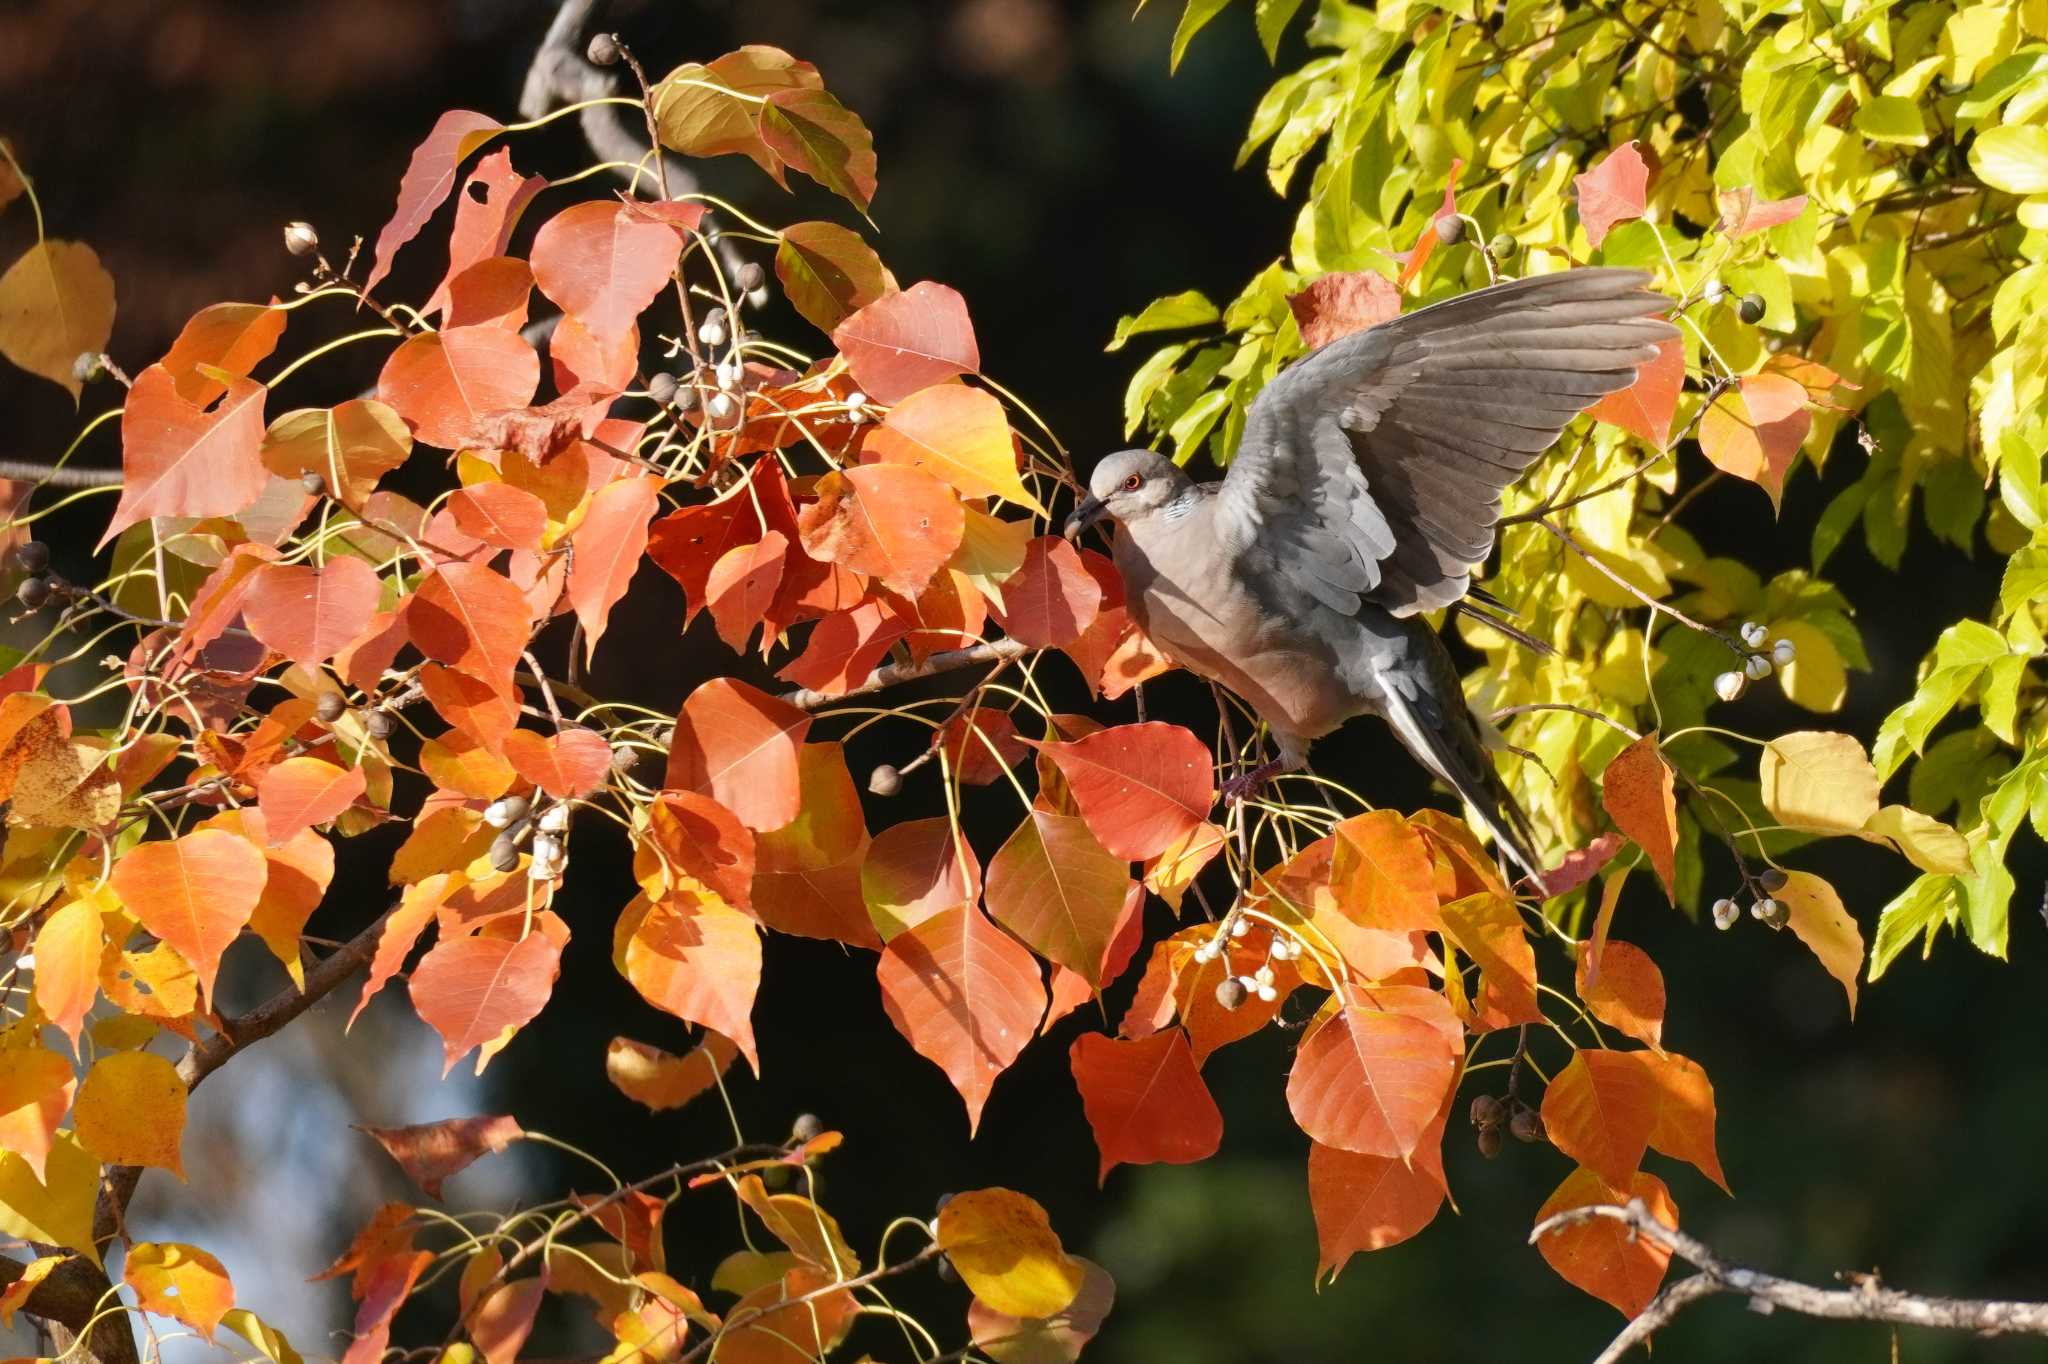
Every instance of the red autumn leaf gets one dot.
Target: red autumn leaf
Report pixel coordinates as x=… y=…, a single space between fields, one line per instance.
x=1581 y=865
x=194 y=892
x=696 y=835
x=1413 y=261
x=500 y=514
x=473 y=619
x=914 y=870
x=1685 y=1110
x=1627 y=993
x=1641 y=797
x=906 y=341
x=1145 y=1100
x=1612 y=192
x=1140 y=787
x=218 y=602
x=1341 y=303
x=1600 y=1110
x=608 y=542
x=1645 y=408
x=688 y=543
x=807 y=873
x=741 y=590
x=571 y=762
x=652 y=1077
x=429 y=1152
x=444 y=384
x=1372 y=1080
x=1056 y=888
x=947 y=615
x=1742 y=213
x=489 y=207
x=1050 y=600
x=427 y=180
x=888 y=521
x=965 y=995
x=589 y=368
x=311 y=614
x=494 y=292
x=697 y=958
x=477 y=991
x=1366 y=1203
x=181 y=459
x=1382 y=874
x=1755 y=433
x=382 y=1287
x=740 y=745
x=1071 y=989
x=231 y=337
x=602 y=264
x=845 y=647
x=473 y=707
x=1488 y=928
x=982 y=744
x=301 y=792
x=401 y=931
x=1601 y=1255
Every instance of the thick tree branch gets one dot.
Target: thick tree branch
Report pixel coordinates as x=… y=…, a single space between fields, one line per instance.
x=1865 y=1300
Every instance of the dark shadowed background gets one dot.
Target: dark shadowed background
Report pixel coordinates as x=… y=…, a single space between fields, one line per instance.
x=1039 y=158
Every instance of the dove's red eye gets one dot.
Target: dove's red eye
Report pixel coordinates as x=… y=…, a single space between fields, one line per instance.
x=1132 y=483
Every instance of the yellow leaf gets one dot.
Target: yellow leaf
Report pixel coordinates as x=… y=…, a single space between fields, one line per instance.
x=17 y=1293
x=1818 y=780
x=131 y=1111
x=749 y=1271
x=56 y=303
x=268 y=1340
x=1004 y=1246
x=990 y=552
x=1926 y=842
x=959 y=435
x=56 y=1209
x=179 y=1281
x=1823 y=925
x=1815 y=678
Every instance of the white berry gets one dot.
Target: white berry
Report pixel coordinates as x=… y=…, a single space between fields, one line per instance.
x=1783 y=652
x=1758 y=666
x=720 y=407
x=1754 y=634
x=554 y=819
x=1729 y=686
x=1267 y=994
x=1726 y=912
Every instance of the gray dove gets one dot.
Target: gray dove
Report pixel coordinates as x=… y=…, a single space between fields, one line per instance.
x=1364 y=492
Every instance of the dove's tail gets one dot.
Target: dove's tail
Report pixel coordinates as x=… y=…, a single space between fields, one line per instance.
x=1424 y=703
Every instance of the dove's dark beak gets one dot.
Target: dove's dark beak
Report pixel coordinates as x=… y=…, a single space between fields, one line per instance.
x=1091 y=510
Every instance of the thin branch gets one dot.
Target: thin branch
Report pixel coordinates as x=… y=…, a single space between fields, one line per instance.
x=1865 y=1300
x=1000 y=650
x=58 y=475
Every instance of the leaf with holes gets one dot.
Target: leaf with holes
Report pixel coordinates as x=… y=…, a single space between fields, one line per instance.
x=181 y=459
x=965 y=995
x=476 y=992
x=906 y=341
x=1145 y=1100
x=1141 y=787
x=427 y=180
x=181 y=1282
x=492 y=201
x=232 y=338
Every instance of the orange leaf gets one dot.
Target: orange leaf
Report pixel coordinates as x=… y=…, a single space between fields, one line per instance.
x=473 y=619
x=1581 y=865
x=1175 y=984
x=1366 y=1203
x=1600 y=1255
x=775 y=1334
x=402 y=928
x=181 y=459
x=492 y=200
x=1645 y=408
x=845 y=647
x=301 y=792
x=476 y=708
x=501 y=1322
x=194 y=892
x=1488 y=928
x=740 y=746
x=429 y=1152
x=906 y=341
x=571 y=762
x=742 y=586
x=609 y=541
x=697 y=836
x=445 y=384
x=383 y=1286
x=1755 y=433
x=68 y=948
x=1600 y=1110
x=428 y=177
x=1052 y=599
x=981 y=745
x=456 y=762
x=1141 y=787
x=807 y=873
x=958 y=435
x=650 y=1076
x=1381 y=872
x=1685 y=1111
x=888 y=521
x=499 y=514
x=1056 y=888
x=965 y=995
x=181 y=1282
x=231 y=337
x=36 y=1085
x=476 y=992
x=1371 y=1080
x=1612 y=192
x=1170 y=872
x=603 y=264
x=1742 y=213
x=1071 y=989
x=914 y=870
x=1641 y=796
x=1341 y=303
x=310 y=614
x=1412 y=261
x=1628 y=992
x=1058 y=1339
x=1145 y=1100
x=694 y=957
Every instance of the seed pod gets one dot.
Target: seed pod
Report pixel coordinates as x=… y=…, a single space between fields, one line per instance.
x=31 y=556
x=89 y=365
x=1730 y=686
x=1526 y=1124
x=1754 y=634
x=1757 y=667
x=758 y=298
x=807 y=1127
x=603 y=49
x=554 y=819
x=506 y=811
x=1487 y=1111
x=1231 y=993
x=1450 y=230
x=885 y=780
x=1783 y=653
x=330 y=707
x=1774 y=912
x=314 y=484
x=1240 y=926
x=750 y=277
x=662 y=388
x=1751 y=308
x=1714 y=290
x=33 y=592
x=1726 y=912
x=688 y=398
x=1772 y=879
x=1503 y=246
x=1489 y=1142
x=300 y=239
x=380 y=723
x=505 y=852
x=720 y=407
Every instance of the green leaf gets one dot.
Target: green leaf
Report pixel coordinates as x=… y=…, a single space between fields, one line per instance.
x=1190 y=308
x=1272 y=17
x=1892 y=118
x=1922 y=909
x=2012 y=158
x=1193 y=20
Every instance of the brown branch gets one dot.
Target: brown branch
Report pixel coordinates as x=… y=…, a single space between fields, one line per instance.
x=1865 y=1300
x=1000 y=650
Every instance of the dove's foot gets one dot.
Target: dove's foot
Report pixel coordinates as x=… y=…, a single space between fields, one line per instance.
x=1245 y=784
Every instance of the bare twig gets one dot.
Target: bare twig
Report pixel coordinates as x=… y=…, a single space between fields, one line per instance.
x=1865 y=1300
x=1000 y=650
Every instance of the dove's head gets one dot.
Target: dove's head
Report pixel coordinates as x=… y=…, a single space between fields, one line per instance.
x=1129 y=486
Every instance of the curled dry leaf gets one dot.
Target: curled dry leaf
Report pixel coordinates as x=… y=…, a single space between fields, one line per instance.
x=430 y=1152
